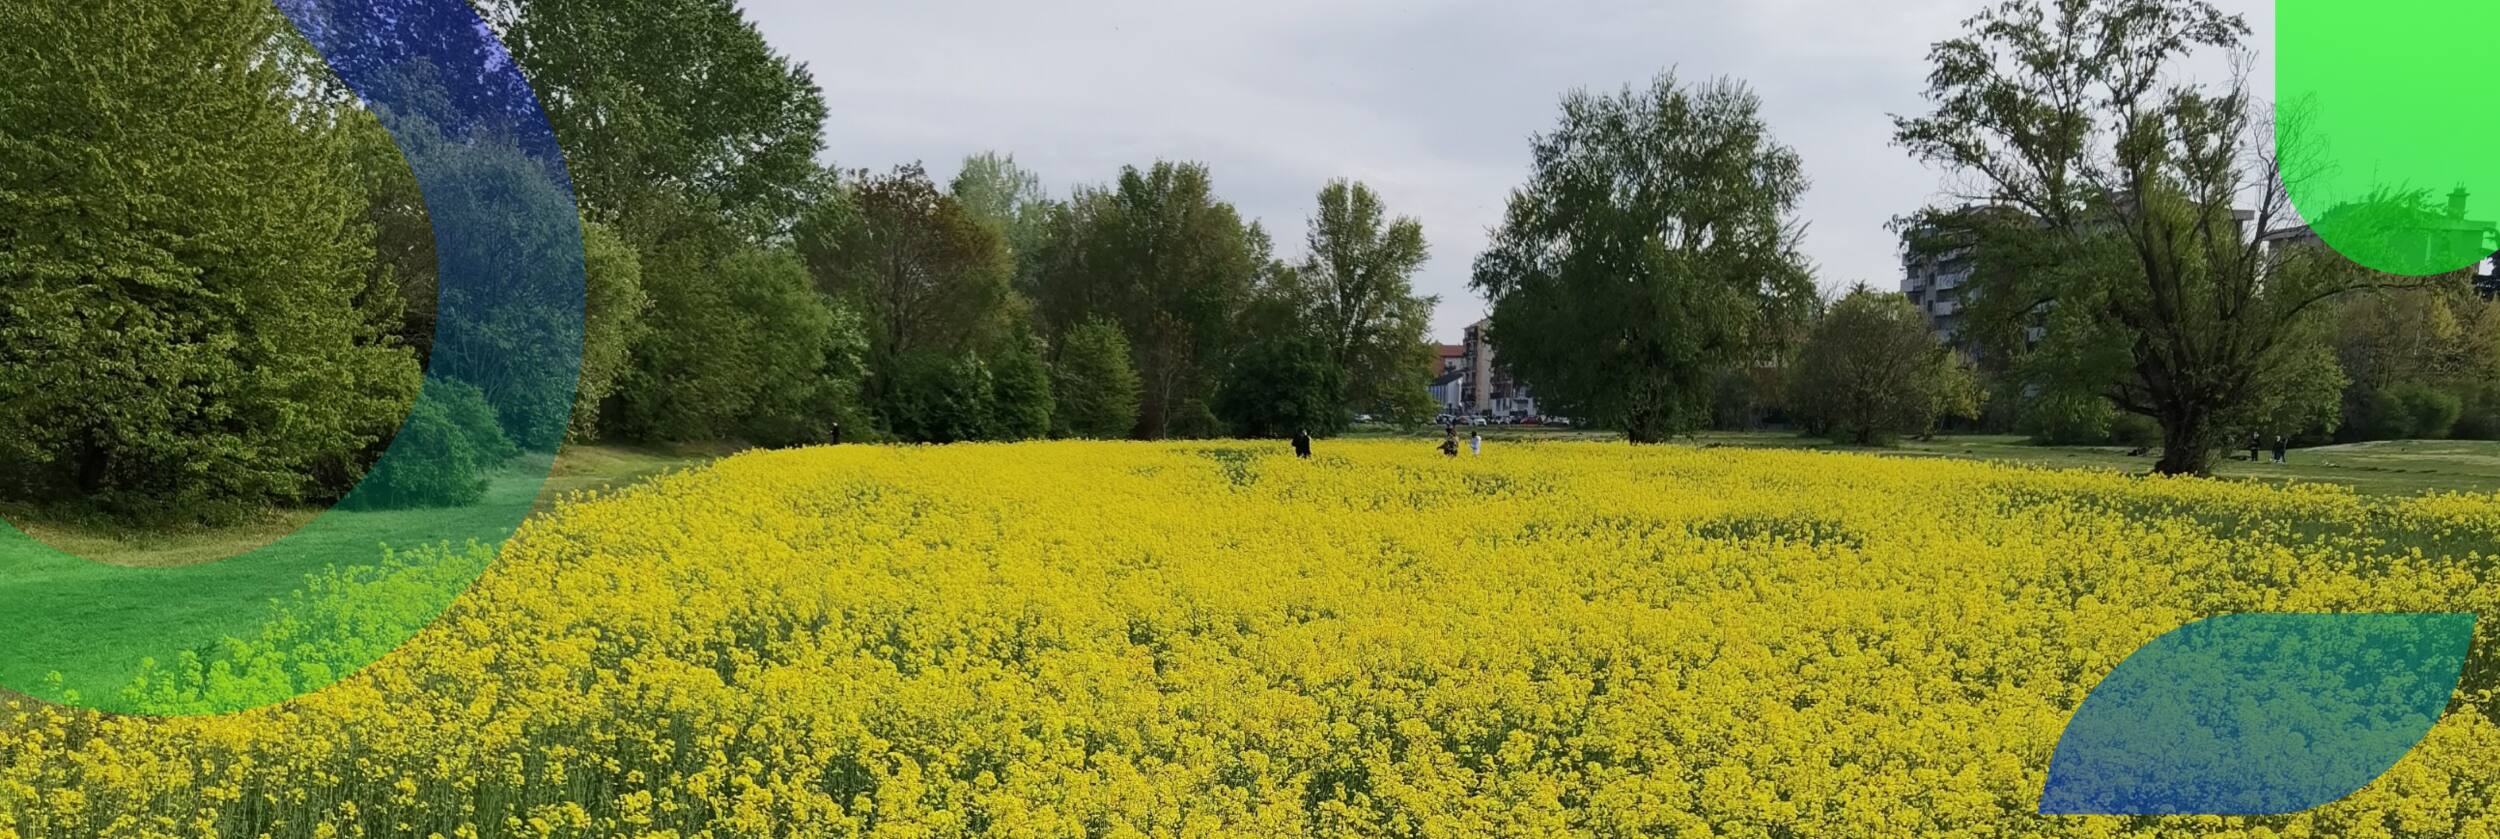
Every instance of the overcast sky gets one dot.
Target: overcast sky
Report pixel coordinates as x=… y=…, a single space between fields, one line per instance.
x=1431 y=103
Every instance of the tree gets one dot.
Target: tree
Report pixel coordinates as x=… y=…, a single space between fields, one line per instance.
x=405 y=257
x=2408 y=354
x=1647 y=254
x=614 y=307
x=1282 y=385
x=926 y=273
x=1095 y=386
x=1159 y=255
x=182 y=249
x=2110 y=193
x=738 y=339
x=934 y=397
x=1008 y=200
x=1872 y=373
x=1358 y=281
x=663 y=105
x=1020 y=393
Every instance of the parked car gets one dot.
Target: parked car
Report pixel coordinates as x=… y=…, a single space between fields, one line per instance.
x=1479 y=421
x=1532 y=421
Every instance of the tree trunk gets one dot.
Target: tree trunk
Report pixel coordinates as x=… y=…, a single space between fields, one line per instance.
x=94 y=465
x=1643 y=426
x=2185 y=441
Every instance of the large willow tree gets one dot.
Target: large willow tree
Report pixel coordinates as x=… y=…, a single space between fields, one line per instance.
x=2119 y=215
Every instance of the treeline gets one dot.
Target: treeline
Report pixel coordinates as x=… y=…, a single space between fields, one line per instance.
x=217 y=273
x=2403 y=363
x=1648 y=276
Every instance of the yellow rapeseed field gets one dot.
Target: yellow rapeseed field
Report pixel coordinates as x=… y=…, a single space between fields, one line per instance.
x=1123 y=640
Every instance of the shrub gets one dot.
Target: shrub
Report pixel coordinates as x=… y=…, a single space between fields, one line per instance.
x=2134 y=430
x=442 y=455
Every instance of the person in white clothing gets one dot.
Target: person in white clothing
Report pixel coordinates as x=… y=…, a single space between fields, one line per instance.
x=1475 y=444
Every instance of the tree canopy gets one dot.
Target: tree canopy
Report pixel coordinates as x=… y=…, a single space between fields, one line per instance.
x=1648 y=252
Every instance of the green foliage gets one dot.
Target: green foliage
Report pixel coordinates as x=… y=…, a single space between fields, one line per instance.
x=2133 y=431
x=934 y=398
x=615 y=307
x=442 y=454
x=2112 y=236
x=1096 y=386
x=927 y=274
x=737 y=342
x=2415 y=357
x=466 y=407
x=2411 y=411
x=1357 y=284
x=1021 y=398
x=183 y=252
x=2478 y=414
x=1283 y=380
x=668 y=105
x=2067 y=418
x=1010 y=201
x=1871 y=373
x=1651 y=250
x=1173 y=266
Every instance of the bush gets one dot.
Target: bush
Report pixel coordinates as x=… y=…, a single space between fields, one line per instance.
x=1096 y=387
x=1021 y=401
x=932 y=398
x=2433 y=412
x=2067 y=420
x=1871 y=373
x=442 y=455
x=2480 y=417
x=2135 y=430
x=2407 y=412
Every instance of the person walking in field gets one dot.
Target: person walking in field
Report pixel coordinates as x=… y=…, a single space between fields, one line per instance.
x=1302 y=444
x=1475 y=444
x=2281 y=447
x=2253 y=442
x=1449 y=444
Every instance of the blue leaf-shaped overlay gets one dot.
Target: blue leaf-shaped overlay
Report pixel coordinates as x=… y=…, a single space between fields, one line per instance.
x=2257 y=714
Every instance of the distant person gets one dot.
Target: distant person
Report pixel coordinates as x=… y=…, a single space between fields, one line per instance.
x=837 y=434
x=1475 y=444
x=1449 y=444
x=2282 y=447
x=2253 y=443
x=1302 y=444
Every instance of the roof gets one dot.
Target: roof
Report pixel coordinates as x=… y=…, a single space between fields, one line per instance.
x=1447 y=378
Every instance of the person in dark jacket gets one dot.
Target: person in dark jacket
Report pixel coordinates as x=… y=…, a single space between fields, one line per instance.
x=2281 y=448
x=1449 y=444
x=2253 y=443
x=1302 y=444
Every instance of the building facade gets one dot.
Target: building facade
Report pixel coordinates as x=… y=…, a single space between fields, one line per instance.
x=1937 y=283
x=1485 y=389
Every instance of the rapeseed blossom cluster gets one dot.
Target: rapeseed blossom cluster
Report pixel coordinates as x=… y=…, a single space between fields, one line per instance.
x=1201 y=640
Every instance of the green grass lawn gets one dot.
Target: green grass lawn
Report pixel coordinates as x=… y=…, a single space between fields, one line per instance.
x=234 y=602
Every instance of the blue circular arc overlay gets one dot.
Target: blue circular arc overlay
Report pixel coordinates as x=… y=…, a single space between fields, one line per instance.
x=508 y=324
